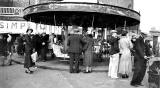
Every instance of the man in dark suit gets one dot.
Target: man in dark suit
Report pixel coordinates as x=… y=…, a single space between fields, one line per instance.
x=140 y=60
x=44 y=45
x=75 y=47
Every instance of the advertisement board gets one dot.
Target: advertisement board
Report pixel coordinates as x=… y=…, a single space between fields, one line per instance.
x=122 y=3
x=11 y=11
x=22 y=26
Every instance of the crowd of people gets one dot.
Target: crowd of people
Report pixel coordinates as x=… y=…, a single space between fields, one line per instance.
x=121 y=63
x=127 y=55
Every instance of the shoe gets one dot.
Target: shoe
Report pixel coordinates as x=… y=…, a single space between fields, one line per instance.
x=78 y=71
x=140 y=84
x=90 y=71
x=28 y=72
x=86 y=72
x=71 y=72
x=114 y=77
x=135 y=85
x=123 y=76
x=127 y=76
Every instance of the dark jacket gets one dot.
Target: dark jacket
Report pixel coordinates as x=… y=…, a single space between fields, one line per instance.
x=3 y=48
x=28 y=43
x=75 y=44
x=148 y=47
x=89 y=44
x=141 y=49
x=36 y=42
x=114 y=45
x=45 y=40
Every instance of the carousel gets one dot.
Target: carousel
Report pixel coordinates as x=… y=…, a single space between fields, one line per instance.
x=83 y=14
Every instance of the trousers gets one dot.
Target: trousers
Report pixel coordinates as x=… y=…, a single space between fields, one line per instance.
x=139 y=72
x=74 y=62
x=113 y=66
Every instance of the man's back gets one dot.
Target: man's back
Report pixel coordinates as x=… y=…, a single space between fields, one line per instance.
x=75 y=44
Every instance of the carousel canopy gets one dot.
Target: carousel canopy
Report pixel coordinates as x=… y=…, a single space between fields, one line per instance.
x=82 y=14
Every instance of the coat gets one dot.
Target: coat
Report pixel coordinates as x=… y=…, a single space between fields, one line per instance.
x=75 y=44
x=28 y=43
x=139 y=48
x=125 y=65
x=88 y=51
x=28 y=51
x=114 y=45
x=44 y=39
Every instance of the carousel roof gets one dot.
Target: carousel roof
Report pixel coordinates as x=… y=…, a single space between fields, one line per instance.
x=82 y=14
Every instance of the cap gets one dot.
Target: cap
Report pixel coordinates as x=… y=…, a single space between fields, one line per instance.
x=113 y=31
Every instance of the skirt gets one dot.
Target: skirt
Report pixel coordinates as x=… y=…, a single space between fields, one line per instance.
x=28 y=60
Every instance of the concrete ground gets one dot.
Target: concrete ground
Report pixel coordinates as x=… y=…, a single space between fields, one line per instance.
x=55 y=74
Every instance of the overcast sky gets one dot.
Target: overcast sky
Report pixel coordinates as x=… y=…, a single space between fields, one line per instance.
x=150 y=13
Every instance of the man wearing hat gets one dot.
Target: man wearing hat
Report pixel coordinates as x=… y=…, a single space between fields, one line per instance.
x=140 y=59
x=114 y=55
x=44 y=45
x=75 y=46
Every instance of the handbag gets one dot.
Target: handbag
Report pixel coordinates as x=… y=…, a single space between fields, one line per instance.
x=34 y=56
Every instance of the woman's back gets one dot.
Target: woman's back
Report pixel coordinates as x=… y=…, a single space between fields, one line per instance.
x=125 y=43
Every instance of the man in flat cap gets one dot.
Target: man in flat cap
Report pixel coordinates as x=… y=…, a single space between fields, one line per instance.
x=75 y=46
x=141 y=50
x=114 y=55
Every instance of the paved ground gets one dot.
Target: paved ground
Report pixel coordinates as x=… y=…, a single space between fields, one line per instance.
x=54 y=74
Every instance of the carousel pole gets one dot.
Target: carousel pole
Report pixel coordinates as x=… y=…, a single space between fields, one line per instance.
x=29 y=22
x=55 y=24
x=125 y=25
x=92 y=23
x=115 y=27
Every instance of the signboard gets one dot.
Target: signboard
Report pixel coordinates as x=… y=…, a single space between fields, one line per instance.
x=21 y=27
x=122 y=3
x=11 y=11
x=89 y=1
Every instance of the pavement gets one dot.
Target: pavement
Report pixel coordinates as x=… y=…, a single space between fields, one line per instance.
x=55 y=74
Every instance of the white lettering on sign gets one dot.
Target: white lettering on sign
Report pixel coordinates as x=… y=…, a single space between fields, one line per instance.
x=11 y=11
x=21 y=27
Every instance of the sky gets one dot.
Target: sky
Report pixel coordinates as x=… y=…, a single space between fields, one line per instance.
x=150 y=14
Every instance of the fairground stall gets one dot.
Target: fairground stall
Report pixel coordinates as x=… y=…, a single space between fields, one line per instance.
x=96 y=17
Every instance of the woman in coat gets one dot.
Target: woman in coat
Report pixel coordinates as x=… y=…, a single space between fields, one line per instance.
x=28 y=51
x=88 y=54
x=125 y=65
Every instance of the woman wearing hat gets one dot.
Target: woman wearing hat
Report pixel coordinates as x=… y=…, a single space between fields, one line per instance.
x=125 y=65
x=28 y=51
